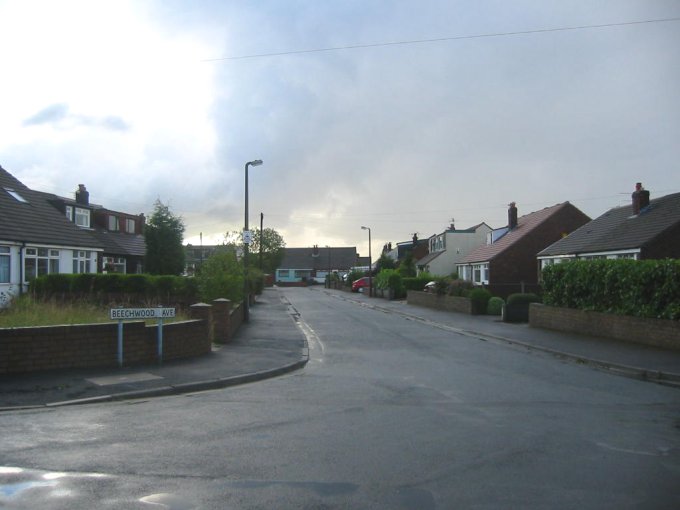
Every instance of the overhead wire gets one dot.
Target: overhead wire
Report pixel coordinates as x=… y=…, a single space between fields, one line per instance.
x=442 y=39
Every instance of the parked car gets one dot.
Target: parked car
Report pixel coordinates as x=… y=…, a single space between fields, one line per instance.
x=430 y=287
x=360 y=284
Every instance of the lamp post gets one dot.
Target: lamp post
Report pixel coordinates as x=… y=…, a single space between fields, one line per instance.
x=370 y=263
x=246 y=243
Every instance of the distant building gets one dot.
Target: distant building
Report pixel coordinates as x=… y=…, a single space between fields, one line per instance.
x=313 y=264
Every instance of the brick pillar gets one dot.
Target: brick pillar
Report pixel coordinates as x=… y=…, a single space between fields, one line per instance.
x=203 y=311
x=221 y=320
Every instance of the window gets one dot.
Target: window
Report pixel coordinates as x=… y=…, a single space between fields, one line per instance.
x=284 y=273
x=83 y=217
x=69 y=212
x=4 y=264
x=130 y=226
x=480 y=273
x=16 y=195
x=39 y=262
x=114 y=264
x=114 y=223
x=82 y=262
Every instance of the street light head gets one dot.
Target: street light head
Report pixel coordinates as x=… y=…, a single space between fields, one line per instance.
x=256 y=162
x=365 y=228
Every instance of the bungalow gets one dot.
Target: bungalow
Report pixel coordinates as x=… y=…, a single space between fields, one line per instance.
x=451 y=247
x=507 y=263
x=305 y=264
x=646 y=229
x=36 y=240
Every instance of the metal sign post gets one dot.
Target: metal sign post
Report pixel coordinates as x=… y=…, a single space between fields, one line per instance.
x=122 y=314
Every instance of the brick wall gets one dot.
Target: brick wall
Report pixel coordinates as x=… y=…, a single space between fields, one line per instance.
x=655 y=332
x=96 y=345
x=444 y=303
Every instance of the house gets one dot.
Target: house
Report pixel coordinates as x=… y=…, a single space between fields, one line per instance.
x=451 y=247
x=645 y=229
x=305 y=264
x=417 y=248
x=35 y=239
x=507 y=263
x=121 y=235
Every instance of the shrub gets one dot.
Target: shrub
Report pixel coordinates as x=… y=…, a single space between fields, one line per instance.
x=416 y=283
x=495 y=306
x=480 y=299
x=522 y=299
x=460 y=288
x=643 y=288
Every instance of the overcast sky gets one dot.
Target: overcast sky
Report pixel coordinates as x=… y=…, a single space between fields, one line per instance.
x=146 y=100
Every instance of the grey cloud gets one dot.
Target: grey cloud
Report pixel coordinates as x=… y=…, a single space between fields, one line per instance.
x=58 y=115
x=51 y=114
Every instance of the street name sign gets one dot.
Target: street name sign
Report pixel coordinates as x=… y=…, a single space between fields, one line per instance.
x=141 y=313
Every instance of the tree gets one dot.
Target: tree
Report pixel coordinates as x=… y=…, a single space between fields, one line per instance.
x=407 y=267
x=221 y=276
x=164 y=234
x=385 y=262
x=272 y=248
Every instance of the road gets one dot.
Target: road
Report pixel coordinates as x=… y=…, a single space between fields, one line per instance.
x=389 y=413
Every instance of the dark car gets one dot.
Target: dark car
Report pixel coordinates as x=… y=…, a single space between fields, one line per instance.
x=360 y=284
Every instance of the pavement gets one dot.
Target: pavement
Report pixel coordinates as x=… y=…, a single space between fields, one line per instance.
x=273 y=343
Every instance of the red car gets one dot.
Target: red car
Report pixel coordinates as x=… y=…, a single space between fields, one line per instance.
x=361 y=283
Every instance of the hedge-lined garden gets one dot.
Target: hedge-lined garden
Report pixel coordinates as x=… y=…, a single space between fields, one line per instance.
x=641 y=288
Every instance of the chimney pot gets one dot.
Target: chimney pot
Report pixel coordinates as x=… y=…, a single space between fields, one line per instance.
x=82 y=195
x=512 y=215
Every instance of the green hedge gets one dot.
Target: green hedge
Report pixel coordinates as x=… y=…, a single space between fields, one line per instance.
x=645 y=288
x=137 y=286
x=416 y=283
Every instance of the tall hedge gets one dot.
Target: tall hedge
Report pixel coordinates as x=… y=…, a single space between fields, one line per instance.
x=138 y=287
x=643 y=288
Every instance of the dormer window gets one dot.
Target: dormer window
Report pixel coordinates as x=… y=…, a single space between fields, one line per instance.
x=130 y=226
x=16 y=195
x=69 y=212
x=114 y=223
x=83 y=217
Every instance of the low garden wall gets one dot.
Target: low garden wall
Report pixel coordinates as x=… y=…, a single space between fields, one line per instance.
x=655 y=332
x=439 y=302
x=96 y=345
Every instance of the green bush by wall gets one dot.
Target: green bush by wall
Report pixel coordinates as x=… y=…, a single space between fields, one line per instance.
x=642 y=288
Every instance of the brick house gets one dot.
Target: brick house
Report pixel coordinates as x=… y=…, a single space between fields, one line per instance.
x=120 y=235
x=645 y=229
x=507 y=263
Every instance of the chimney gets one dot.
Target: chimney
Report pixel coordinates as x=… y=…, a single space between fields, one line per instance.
x=512 y=215
x=82 y=195
x=315 y=250
x=640 y=198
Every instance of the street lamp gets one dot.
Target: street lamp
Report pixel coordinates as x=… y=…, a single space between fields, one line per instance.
x=370 y=263
x=246 y=243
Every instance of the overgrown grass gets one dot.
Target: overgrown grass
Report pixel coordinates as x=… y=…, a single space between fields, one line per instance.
x=26 y=312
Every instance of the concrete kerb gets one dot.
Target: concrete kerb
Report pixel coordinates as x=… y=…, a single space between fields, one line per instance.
x=176 y=389
x=658 y=377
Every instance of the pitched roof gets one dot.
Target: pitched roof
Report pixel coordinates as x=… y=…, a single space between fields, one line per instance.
x=619 y=229
x=36 y=220
x=121 y=243
x=525 y=225
x=429 y=258
x=303 y=258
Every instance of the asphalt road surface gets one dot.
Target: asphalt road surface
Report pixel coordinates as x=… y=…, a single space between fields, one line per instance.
x=389 y=413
